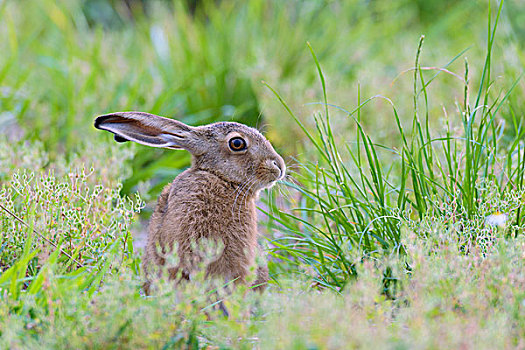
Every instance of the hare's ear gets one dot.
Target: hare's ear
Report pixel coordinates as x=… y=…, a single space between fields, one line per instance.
x=147 y=129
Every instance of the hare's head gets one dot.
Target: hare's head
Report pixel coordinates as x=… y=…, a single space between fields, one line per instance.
x=234 y=152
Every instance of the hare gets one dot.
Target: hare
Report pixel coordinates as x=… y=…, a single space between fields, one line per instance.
x=214 y=199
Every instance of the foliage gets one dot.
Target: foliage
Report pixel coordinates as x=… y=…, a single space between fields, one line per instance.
x=448 y=300
x=60 y=68
x=355 y=196
x=89 y=73
x=402 y=174
x=68 y=205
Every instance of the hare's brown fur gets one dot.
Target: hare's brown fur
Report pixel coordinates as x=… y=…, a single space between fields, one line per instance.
x=214 y=199
x=194 y=207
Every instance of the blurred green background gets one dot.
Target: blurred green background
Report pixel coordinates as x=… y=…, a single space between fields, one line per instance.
x=64 y=62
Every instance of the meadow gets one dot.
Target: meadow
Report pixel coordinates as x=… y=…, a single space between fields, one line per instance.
x=400 y=222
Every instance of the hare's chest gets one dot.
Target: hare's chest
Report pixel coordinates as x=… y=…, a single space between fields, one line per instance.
x=200 y=215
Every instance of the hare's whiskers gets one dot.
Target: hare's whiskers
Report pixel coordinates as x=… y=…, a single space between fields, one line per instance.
x=283 y=191
x=270 y=199
x=245 y=197
x=236 y=193
x=239 y=191
x=246 y=189
x=241 y=186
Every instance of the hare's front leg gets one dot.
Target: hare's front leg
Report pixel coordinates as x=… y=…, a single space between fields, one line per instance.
x=239 y=274
x=261 y=281
x=227 y=269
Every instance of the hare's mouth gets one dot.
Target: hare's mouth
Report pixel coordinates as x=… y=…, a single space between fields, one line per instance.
x=275 y=170
x=272 y=177
x=269 y=172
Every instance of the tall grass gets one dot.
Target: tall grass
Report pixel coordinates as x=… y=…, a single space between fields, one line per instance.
x=357 y=195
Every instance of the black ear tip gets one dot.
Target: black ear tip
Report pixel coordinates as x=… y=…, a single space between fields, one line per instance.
x=111 y=117
x=99 y=120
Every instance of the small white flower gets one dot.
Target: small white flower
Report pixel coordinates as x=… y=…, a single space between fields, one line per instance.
x=497 y=219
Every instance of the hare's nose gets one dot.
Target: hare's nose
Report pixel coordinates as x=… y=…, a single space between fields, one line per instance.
x=277 y=166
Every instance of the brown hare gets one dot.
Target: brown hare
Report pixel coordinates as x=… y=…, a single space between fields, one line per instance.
x=214 y=199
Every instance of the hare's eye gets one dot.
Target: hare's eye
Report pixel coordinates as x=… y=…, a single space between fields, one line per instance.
x=237 y=144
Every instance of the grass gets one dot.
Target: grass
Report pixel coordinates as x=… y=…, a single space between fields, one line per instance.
x=449 y=300
x=356 y=196
x=401 y=223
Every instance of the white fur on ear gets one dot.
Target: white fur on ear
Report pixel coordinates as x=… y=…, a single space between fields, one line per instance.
x=144 y=128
